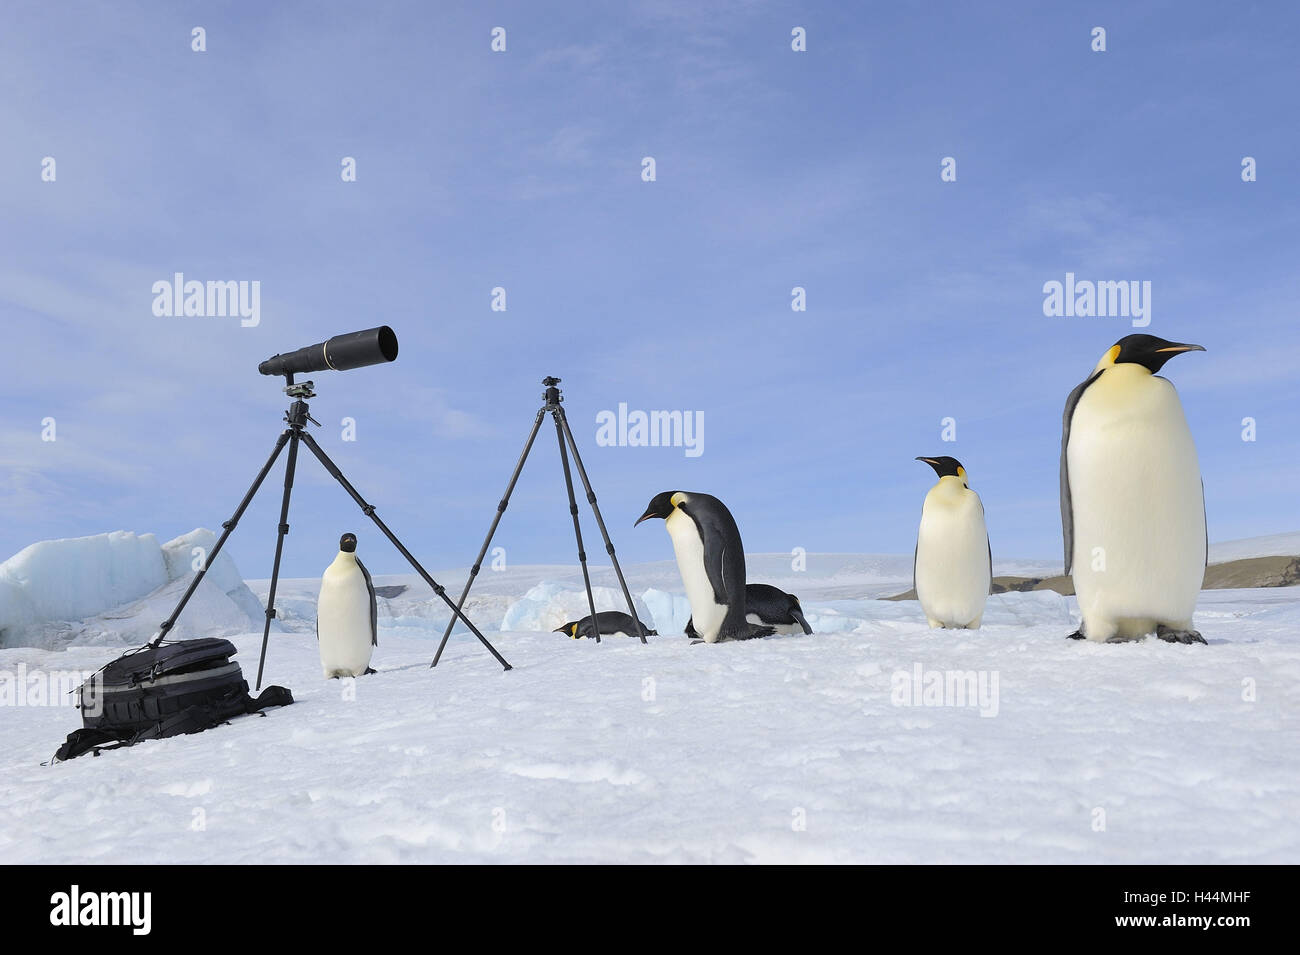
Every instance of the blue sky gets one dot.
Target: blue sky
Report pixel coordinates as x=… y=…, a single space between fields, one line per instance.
x=522 y=169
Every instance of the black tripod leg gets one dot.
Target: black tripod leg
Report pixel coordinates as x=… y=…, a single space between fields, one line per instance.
x=487 y=541
x=563 y=419
x=369 y=511
x=289 y=467
x=577 y=527
x=228 y=528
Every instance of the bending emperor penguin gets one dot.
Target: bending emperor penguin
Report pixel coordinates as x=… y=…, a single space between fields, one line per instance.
x=953 y=567
x=612 y=623
x=711 y=560
x=346 y=616
x=1132 y=501
x=766 y=605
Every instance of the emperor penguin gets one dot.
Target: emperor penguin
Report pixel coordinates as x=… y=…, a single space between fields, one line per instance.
x=952 y=570
x=611 y=623
x=766 y=605
x=1132 y=500
x=711 y=560
x=347 y=619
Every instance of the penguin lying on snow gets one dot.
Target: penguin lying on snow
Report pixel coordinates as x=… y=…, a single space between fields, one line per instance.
x=711 y=560
x=771 y=606
x=952 y=570
x=611 y=622
x=347 y=619
x=1132 y=500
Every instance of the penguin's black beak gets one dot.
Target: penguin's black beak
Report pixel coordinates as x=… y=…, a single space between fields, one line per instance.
x=661 y=505
x=945 y=466
x=1151 y=352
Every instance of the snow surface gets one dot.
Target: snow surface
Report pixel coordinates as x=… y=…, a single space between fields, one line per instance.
x=789 y=749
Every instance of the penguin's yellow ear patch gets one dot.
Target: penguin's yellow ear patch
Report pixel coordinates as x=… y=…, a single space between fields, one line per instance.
x=961 y=472
x=574 y=630
x=677 y=499
x=1112 y=355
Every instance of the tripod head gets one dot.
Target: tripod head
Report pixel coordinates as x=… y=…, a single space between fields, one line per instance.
x=303 y=389
x=552 y=395
x=297 y=416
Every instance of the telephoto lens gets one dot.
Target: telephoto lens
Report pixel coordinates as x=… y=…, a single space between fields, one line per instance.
x=373 y=346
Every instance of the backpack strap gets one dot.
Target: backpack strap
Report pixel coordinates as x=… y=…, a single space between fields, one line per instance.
x=271 y=696
x=192 y=719
x=83 y=741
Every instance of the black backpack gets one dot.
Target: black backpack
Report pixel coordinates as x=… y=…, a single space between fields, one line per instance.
x=168 y=690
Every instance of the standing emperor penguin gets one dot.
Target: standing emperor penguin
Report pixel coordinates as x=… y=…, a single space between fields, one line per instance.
x=347 y=619
x=952 y=570
x=1132 y=500
x=711 y=560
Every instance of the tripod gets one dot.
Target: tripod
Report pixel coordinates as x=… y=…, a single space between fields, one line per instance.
x=296 y=433
x=552 y=398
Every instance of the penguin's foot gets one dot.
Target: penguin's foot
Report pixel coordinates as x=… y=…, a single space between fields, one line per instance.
x=695 y=641
x=369 y=670
x=1077 y=635
x=1170 y=635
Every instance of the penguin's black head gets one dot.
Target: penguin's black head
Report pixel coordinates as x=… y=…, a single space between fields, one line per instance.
x=570 y=629
x=661 y=505
x=1147 y=350
x=348 y=543
x=946 y=467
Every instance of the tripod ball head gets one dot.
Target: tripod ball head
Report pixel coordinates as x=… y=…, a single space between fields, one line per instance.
x=552 y=395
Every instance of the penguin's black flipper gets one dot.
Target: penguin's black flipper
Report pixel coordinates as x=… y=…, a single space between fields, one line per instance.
x=690 y=628
x=1067 y=501
x=374 y=606
x=1170 y=635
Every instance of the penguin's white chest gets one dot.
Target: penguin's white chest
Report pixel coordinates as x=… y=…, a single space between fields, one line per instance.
x=952 y=556
x=689 y=549
x=343 y=619
x=1137 y=504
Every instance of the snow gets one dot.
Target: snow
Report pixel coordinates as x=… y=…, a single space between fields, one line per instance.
x=788 y=749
